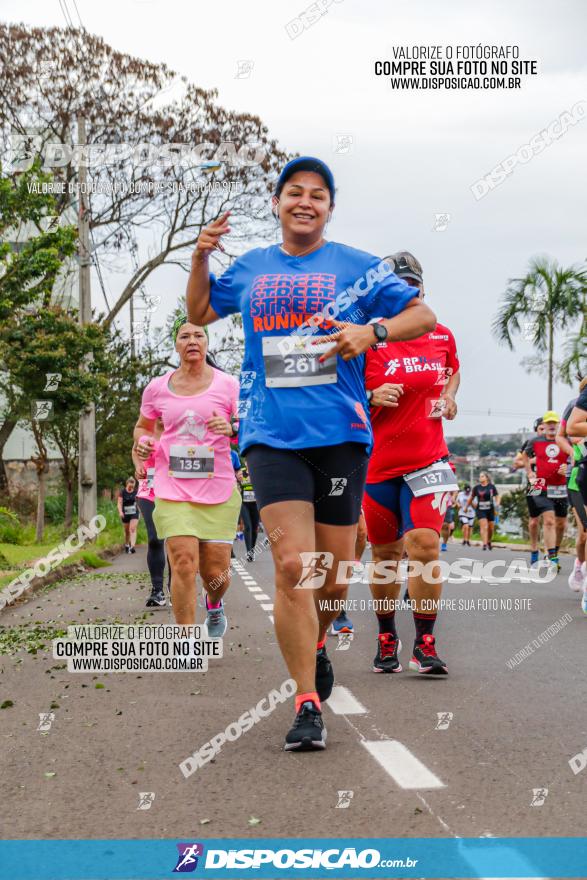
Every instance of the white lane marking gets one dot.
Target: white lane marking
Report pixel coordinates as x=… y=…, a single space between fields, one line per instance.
x=267 y=606
x=342 y=702
x=255 y=589
x=437 y=817
x=271 y=618
x=262 y=597
x=403 y=767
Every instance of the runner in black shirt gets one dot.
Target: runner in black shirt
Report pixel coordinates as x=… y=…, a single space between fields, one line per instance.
x=128 y=511
x=485 y=497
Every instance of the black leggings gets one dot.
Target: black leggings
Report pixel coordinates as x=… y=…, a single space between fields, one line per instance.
x=155 y=547
x=250 y=517
x=578 y=498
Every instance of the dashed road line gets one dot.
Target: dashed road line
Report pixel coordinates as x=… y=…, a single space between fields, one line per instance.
x=342 y=702
x=405 y=769
x=395 y=758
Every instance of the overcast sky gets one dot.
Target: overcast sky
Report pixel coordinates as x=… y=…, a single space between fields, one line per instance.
x=414 y=154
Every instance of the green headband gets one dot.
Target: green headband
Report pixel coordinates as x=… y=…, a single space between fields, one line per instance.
x=178 y=323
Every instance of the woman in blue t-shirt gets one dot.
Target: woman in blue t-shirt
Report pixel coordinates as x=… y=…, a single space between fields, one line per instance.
x=306 y=306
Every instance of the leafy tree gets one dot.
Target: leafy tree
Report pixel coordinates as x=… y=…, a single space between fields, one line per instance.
x=549 y=298
x=49 y=340
x=27 y=273
x=461 y=445
x=513 y=504
x=117 y=409
x=53 y=75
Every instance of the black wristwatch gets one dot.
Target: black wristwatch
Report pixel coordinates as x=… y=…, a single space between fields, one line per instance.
x=380 y=332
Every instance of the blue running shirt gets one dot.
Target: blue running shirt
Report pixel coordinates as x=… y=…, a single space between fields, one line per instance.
x=287 y=399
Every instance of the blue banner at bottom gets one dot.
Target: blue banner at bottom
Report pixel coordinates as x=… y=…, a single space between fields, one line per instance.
x=288 y=858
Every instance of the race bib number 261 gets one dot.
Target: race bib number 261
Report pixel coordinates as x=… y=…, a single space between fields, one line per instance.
x=296 y=363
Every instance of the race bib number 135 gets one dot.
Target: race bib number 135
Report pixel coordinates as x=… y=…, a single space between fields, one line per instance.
x=191 y=462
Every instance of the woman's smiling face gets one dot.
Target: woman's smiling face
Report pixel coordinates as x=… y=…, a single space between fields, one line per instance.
x=304 y=204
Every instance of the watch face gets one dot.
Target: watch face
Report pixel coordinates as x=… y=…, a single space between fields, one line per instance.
x=380 y=332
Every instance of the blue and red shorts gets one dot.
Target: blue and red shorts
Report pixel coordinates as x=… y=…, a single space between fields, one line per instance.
x=391 y=509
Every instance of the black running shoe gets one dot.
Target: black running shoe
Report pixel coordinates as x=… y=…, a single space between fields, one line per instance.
x=324 y=675
x=156 y=600
x=388 y=647
x=308 y=731
x=425 y=659
x=132 y=550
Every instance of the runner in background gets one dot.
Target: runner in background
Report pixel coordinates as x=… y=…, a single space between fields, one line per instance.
x=304 y=429
x=549 y=480
x=196 y=499
x=145 y=473
x=448 y=526
x=250 y=514
x=343 y=623
x=129 y=514
x=238 y=472
x=533 y=510
x=410 y=480
x=466 y=514
x=485 y=498
x=577 y=486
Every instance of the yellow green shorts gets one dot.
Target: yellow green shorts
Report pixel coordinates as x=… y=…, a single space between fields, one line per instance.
x=207 y=522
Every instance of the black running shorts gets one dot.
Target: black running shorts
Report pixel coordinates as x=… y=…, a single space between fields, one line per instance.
x=539 y=504
x=332 y=478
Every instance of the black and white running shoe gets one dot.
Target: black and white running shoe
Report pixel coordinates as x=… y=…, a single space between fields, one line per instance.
x=308 y=731
x=425 y=659
x=386 y=660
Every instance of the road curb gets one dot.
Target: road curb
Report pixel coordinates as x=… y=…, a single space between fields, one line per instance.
x=525 y=547
x=59 y=574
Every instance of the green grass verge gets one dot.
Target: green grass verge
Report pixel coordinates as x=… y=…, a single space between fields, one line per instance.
x=19 y=556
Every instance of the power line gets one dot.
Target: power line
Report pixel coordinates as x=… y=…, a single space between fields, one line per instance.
x=495 y=412
x=96 y=262
x=81 y=24
x=65 y=12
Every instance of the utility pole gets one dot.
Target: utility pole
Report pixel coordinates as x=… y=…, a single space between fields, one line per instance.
x=87 y=490
x=132 y=327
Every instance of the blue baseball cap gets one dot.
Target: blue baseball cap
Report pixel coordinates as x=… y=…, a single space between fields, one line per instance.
x=306 y=163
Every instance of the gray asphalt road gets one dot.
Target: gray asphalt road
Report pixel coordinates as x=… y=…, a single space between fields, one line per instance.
x=459 y=756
